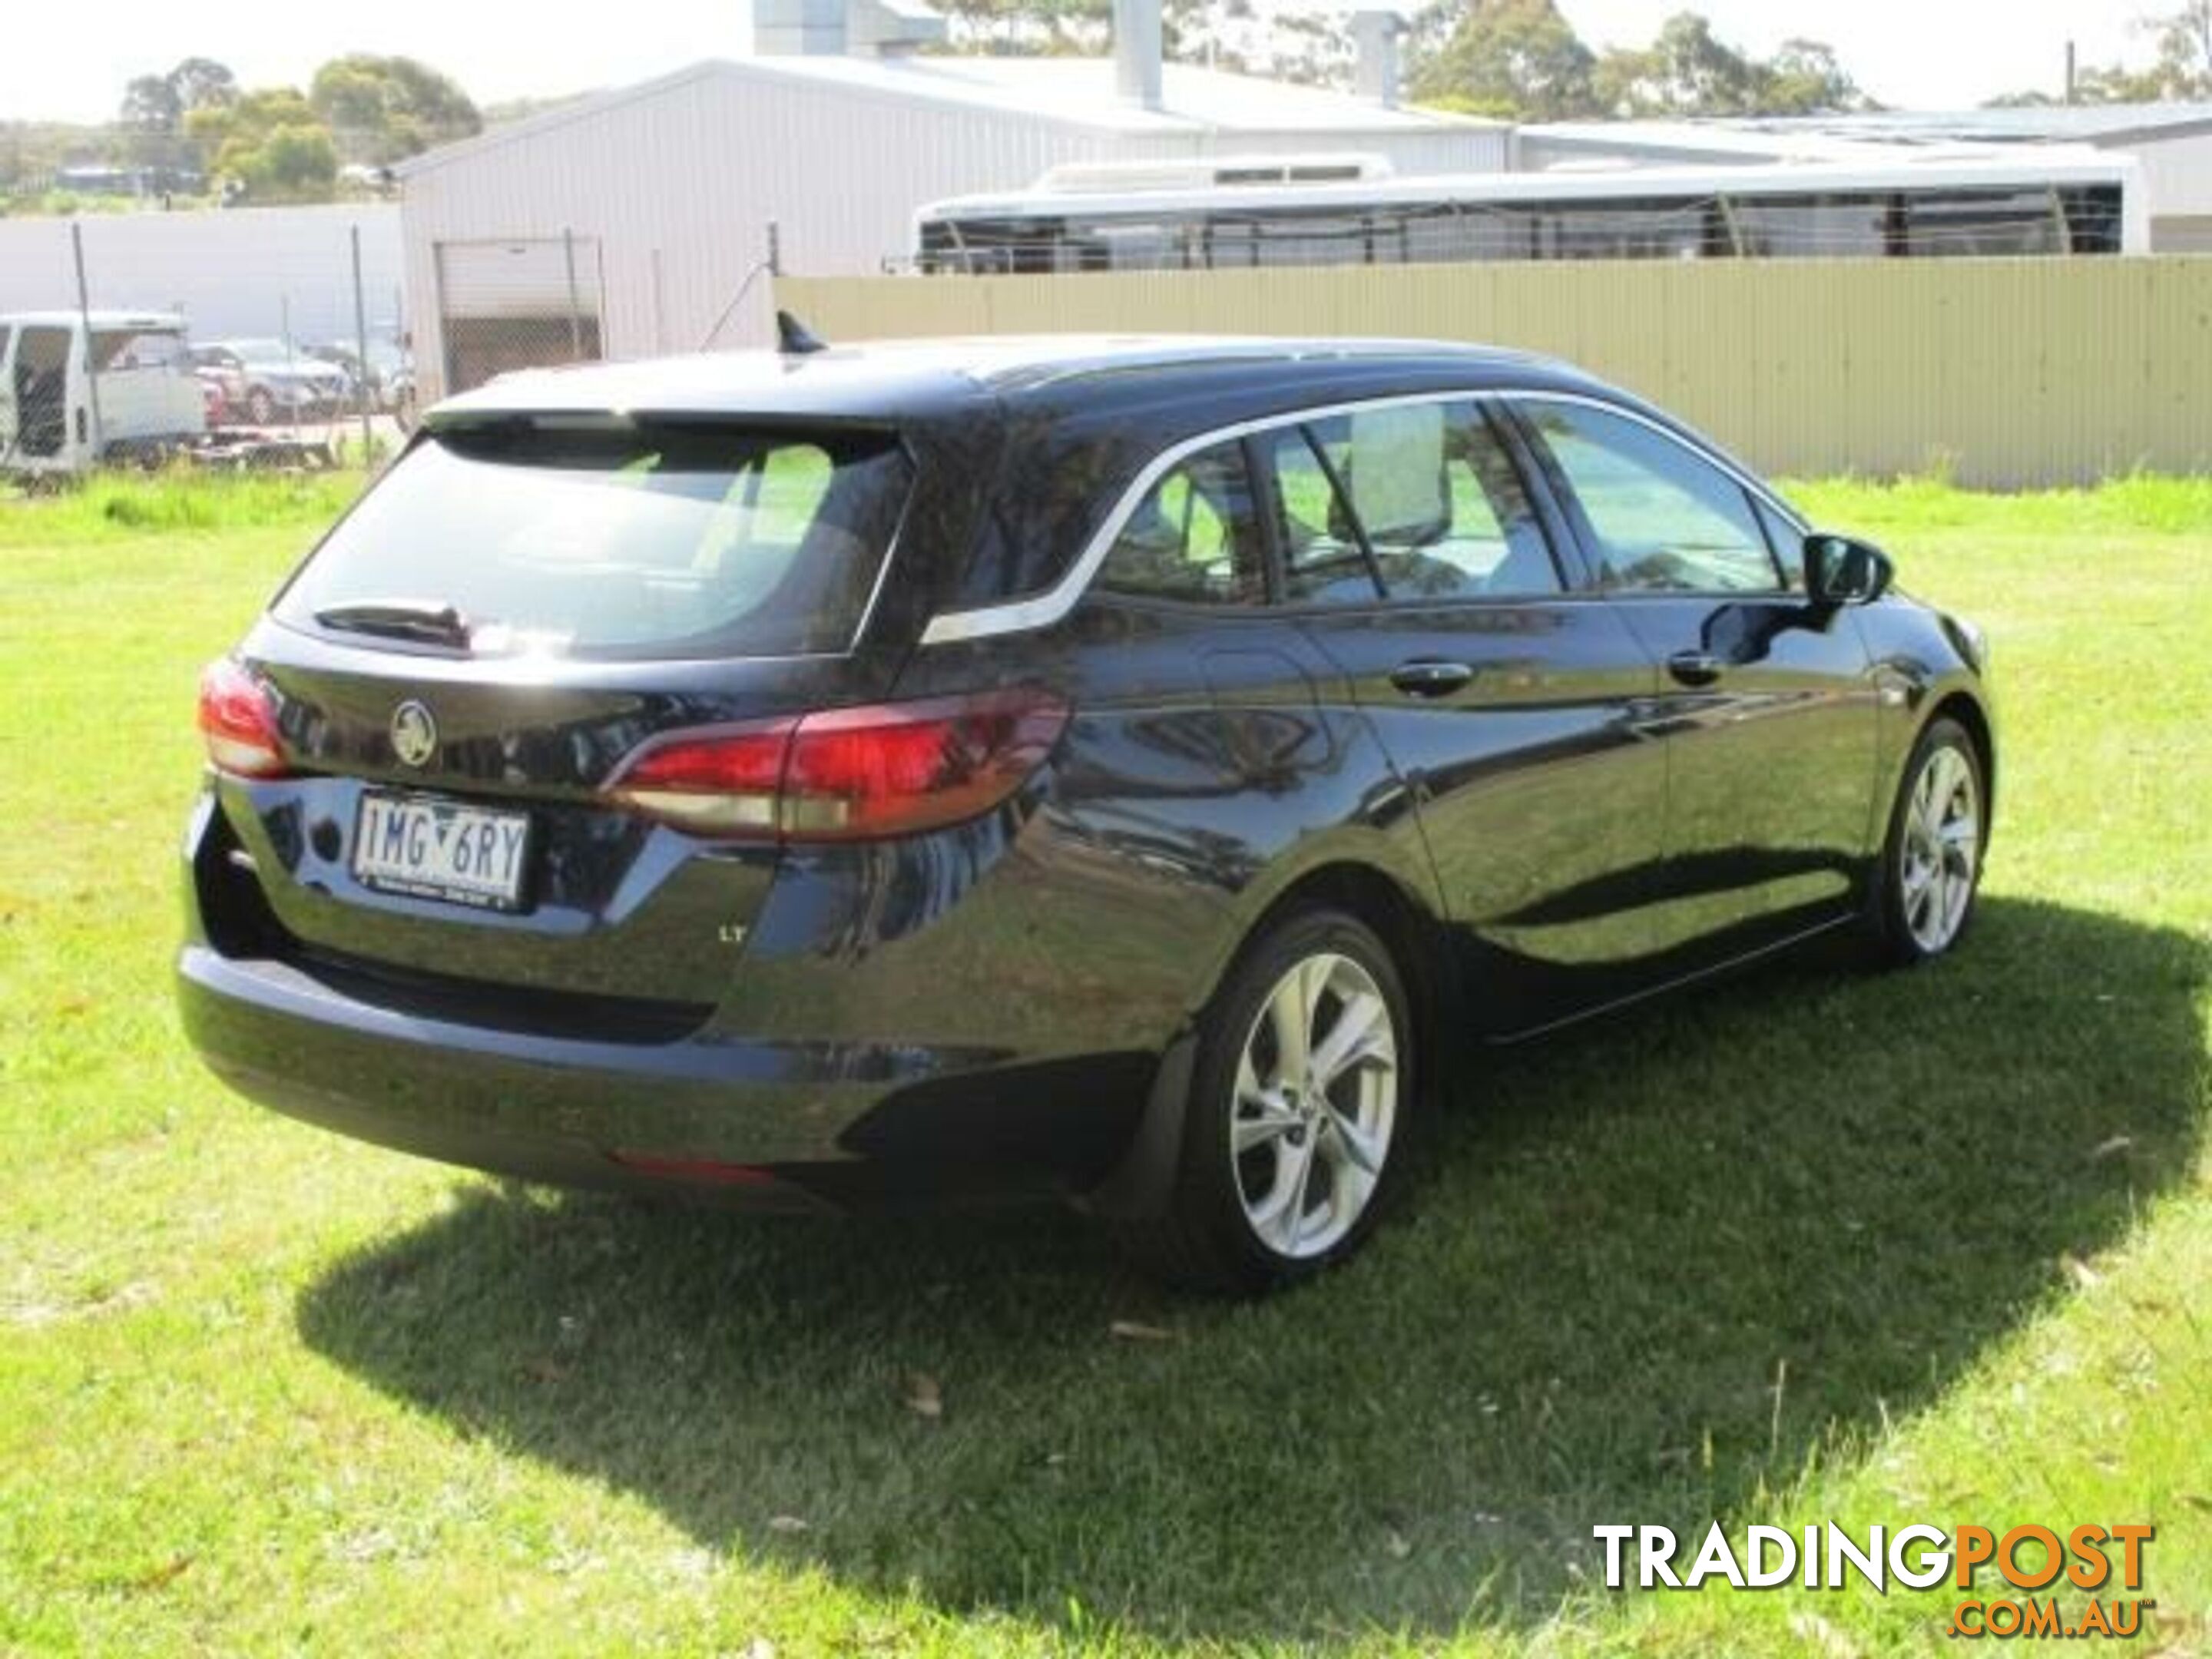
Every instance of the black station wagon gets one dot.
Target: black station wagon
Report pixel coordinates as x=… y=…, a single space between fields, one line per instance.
x=1122 y=768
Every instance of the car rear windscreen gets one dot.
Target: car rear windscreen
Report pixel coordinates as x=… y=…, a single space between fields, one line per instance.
x=621 y=540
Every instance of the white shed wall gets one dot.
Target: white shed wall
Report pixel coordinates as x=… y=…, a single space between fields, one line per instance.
x=2177 y=181
x=231 y=271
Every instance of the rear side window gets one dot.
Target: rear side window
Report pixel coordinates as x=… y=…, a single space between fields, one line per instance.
x=120 y=351
x=1436 y=492
x=648 y=541
x=1193 y=538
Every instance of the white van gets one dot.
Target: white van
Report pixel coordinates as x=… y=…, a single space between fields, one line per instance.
x=149 y=404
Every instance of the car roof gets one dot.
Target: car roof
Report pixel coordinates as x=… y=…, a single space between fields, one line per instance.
x=907 y=380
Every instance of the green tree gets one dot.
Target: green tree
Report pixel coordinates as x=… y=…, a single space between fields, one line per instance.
x=1515 y=60
x=384 y=109
x=2183 y=69
x=1803 y=77
x=1028 y=29
x=202 y=81
x=1688 y=70
x=268 y=144
x=2184 y=50
x=151 y=105
x=1214 y=33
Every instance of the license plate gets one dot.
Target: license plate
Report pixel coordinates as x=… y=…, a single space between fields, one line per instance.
x=438 y=850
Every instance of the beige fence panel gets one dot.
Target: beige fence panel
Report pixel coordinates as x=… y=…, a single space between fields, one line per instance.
x=2012 y=371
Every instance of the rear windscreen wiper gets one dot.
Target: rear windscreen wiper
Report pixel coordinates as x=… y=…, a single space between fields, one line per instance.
x=425 y=620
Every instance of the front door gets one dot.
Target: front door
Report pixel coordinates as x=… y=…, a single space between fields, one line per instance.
x=1768 y=701
x=1411 y=555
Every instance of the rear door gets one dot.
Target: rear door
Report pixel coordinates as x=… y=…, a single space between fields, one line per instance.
x=1769 y=702
x=40 y=376
x=1413 y=553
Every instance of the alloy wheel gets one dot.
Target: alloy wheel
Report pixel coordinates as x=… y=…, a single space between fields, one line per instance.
x=1939 y=848
x=1317 y=1103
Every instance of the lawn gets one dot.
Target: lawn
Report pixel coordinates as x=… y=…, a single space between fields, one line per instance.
x=1808 y=1244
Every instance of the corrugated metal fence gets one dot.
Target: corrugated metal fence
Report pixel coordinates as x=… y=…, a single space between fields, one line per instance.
x=2009 y=372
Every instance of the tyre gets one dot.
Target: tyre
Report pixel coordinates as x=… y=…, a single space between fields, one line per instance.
x=260 y=407
x=1931 y=865
x=1298 y=1129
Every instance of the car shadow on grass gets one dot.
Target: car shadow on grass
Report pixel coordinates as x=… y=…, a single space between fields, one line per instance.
x=1661 y=1262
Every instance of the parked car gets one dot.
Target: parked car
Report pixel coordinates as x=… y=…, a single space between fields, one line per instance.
x=1132 y=770
x=55 y=421
x=266 y=381
x=388 y=375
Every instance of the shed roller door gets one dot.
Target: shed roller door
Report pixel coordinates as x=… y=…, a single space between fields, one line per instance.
x=525 y=278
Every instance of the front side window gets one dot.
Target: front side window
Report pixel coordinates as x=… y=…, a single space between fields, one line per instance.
x=1434 y=491
x=1662 y=518
x=1192 y=538
x=1787 y=540
x=640 y=540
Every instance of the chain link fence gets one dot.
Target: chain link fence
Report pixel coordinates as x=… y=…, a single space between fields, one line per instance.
x=266 y=336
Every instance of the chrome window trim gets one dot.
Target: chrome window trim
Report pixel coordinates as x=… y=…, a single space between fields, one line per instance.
x=1056 y=602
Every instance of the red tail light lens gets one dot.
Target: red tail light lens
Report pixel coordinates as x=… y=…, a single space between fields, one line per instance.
x=238 y=720
x=851 y=774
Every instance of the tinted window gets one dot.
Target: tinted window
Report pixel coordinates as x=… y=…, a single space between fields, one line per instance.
x=1436 y=492
x=1193 y=538
x=1322 y=561
x=120 y=351
x=646 y=541
x=1787 y=540
x=1663 y=518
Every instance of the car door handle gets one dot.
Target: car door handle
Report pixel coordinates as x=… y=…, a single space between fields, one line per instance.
x=1427 y=679
x=1695 y=667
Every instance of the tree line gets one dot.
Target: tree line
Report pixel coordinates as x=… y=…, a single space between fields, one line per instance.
x=1516 y=60
x=196 y=129
x=281 y=144
x=1521 y=60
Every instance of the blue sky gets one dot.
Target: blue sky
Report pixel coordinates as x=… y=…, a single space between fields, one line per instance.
x=1925 y=53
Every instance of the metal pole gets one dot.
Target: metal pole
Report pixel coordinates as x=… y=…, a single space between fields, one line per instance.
x=575 y=304
x=84 y=318
x=361 y=346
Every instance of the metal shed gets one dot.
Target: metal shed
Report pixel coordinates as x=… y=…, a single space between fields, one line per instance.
x=625 y=223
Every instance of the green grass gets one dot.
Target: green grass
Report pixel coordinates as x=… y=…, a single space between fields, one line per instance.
x=113 y=505
x=1806 y=1244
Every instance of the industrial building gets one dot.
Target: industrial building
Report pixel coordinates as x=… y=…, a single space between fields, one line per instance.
x=628 y=223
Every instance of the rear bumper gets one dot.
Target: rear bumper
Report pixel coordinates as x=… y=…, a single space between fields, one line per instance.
x=755 y=1124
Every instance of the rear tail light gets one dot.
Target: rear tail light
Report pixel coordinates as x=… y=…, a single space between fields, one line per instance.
x=238 y=720
x=850 y=773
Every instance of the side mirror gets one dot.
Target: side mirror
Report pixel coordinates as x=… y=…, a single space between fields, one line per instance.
x=1842 y=570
